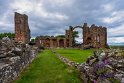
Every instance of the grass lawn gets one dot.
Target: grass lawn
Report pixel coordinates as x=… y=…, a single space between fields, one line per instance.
x=117 y=46
x=47 y=68
x=75 y=54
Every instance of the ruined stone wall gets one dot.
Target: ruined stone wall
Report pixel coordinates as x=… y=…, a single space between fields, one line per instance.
x=52 y=42
x=70 y=36
x=94 y=36
x=67 y=34
x=105 y=66
x=86 y=35
x=22 y=31
x=13 y=59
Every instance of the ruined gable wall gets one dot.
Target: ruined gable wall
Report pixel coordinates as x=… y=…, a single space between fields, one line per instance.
x=22 y=31
x=95 y=36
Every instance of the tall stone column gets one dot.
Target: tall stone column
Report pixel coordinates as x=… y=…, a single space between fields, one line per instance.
x=51 y=43
x=67 y=34
x=85 y=33
x=70 y=36
x=58 y=42
x=65 y=43
x=104 y=38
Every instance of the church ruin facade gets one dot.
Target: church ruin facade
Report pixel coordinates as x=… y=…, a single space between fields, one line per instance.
x=93 y=37
x=22 y=31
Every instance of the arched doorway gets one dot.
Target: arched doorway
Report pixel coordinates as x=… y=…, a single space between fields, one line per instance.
x=54 y=43
x=72 y=34
x=47 y=43
x=67 y=43
x=61 y=43
x=78 y=37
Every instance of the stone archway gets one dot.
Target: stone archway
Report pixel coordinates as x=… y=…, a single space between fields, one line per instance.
x=67 y=43
x=47 y=42
x=80 y=30
x=54 y=43
x=69 y=34
x=93 y=36
x=61 y=43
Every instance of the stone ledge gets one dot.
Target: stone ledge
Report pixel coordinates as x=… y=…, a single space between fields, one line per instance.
x=14 y=57
x=10 y=71
x=68 y=62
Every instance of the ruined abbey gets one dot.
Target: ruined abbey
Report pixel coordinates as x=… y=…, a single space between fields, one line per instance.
x=22 y=31
x=18 y=54
x=52 y=42
x=93 y=36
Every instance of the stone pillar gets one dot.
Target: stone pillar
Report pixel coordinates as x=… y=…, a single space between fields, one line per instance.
x=67 y=34
x=37 y=40
x=65 y=43
x=58 y=42
x=70 y=36
x=51 y=43
x=104 y=37
x=85 y=33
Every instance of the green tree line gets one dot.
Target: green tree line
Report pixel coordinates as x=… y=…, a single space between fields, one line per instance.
x=10 y=35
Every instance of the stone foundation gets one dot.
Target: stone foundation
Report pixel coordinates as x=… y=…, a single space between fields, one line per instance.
x=11 y=67
x=68 y=62
x=14 y=58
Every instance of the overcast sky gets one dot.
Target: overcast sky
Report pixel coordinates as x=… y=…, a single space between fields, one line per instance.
x=52 y=17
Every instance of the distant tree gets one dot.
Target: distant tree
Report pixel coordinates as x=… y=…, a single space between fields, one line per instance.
x=75 y=35
x=60 y=36
x=10 y=35
x=33 y=40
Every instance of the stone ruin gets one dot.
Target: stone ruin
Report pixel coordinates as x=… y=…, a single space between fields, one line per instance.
x=52 y=42
x=22 y=31
x=14 y=57
x=93 y=37
x=104 y=67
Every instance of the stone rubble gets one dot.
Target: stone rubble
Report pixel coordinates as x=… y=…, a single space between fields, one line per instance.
x=104 y=67
x=68 y=62
x=14 y=57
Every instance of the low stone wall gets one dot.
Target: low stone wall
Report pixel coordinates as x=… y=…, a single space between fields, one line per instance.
x=68 y=62
x=13 y=59
x=106 y=66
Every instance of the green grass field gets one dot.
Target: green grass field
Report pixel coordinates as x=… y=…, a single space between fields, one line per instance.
x=117 y=46
x=47 y=68
x=75 y=54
